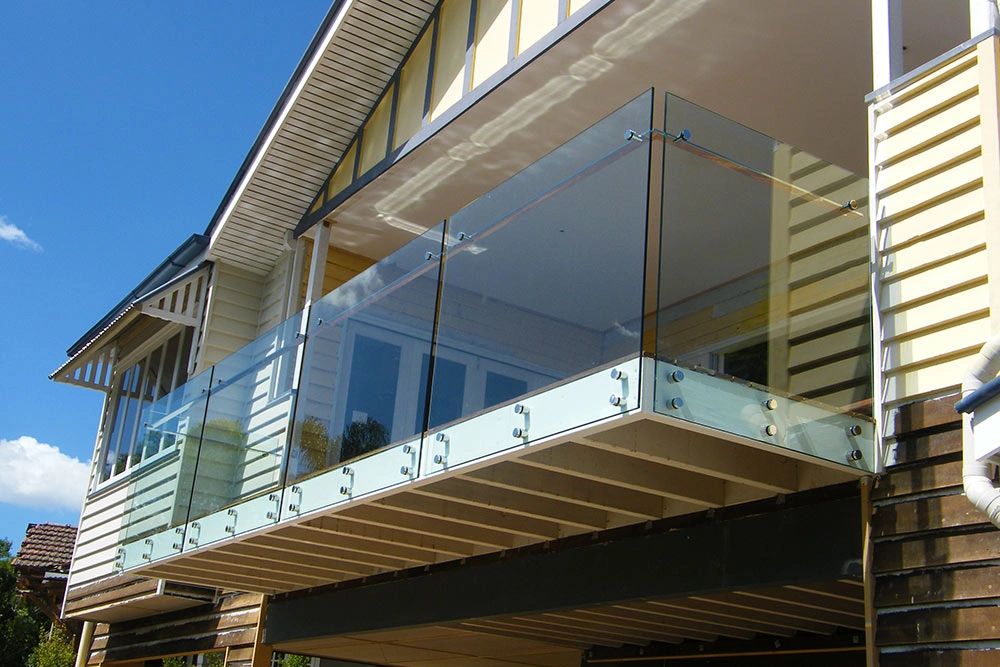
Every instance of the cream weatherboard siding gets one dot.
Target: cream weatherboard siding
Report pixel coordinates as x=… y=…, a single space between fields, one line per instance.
x=930 y=226
x=232 y=314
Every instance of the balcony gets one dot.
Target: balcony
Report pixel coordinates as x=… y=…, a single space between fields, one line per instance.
x=669 y=313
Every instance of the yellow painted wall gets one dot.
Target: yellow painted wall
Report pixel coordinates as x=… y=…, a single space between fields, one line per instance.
x=537 y=19
x=449 y=58
x=492 y=44
x=412 y=90
x=344 y=174
x=934 y=297
x=374 y=141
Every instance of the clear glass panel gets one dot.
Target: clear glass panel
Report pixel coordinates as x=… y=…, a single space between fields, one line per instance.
x=543 y=278
x=763 y=286
x=246 y=423
x=160 y=490
x=362 y=388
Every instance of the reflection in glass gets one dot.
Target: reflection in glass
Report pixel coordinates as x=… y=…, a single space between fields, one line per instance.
x=763 y=263
x=545 y=278
x=246 y=422
x=361 y=383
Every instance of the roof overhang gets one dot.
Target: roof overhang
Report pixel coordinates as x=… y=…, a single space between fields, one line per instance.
x=343 y=72
x=180 y=299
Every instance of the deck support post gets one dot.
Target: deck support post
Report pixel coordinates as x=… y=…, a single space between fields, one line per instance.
x=317 y=265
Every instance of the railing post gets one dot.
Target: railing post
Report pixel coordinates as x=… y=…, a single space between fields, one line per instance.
x=887 y=41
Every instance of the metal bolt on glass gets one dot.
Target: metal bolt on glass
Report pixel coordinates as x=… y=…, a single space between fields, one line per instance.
x=771 y=404
x=405 y=470
x=856 y=455
x=676 y=376
x=854 y=430
x=440 y=459
x=521 y=409
x=771 y=430
x=616 y=400
x=441 y=437
x=617 y=374
x=272 y=515
x=676 y=403
x=519 y=432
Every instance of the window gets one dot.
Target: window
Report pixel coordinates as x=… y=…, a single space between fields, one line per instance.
x=140 y=381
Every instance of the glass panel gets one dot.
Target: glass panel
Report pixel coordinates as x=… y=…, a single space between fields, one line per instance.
x=116 y=418
x=544 y=280
x=246 y=424
x=763 y=286
x=449 y=385
x=160 y=490
x=361 y=381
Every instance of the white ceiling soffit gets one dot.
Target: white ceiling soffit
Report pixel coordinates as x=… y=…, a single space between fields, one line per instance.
x=364 y=43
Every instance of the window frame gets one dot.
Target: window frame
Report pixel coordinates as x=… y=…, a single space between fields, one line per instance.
x=140 y=356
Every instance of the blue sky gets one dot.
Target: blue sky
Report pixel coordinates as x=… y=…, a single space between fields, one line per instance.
x=121 y=126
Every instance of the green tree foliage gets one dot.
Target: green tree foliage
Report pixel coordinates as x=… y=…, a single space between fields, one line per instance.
x=19 y=622
x=175 y=661
x=55 y=650
x=292 y=660
x=363 y=437
x=214 y=659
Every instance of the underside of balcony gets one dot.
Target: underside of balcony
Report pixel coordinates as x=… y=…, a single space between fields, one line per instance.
x=699 y=586
x=592 y=467
x=823 y=619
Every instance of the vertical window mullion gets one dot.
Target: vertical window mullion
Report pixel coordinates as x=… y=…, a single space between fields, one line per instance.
x=120 y=415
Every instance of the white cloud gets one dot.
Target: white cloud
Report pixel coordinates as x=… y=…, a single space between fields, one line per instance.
x=13 y=234
x=35 y=474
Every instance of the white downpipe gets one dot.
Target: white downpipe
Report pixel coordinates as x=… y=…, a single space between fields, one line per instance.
x=979 y=487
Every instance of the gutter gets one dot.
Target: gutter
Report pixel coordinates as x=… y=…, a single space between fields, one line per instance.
x=167 y=270
x=980 y=385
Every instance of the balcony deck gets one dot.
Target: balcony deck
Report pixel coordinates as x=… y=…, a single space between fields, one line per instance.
x=588 y=466
x=600 y=341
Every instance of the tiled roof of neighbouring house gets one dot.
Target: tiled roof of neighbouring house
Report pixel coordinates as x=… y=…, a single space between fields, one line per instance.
x=47 y=546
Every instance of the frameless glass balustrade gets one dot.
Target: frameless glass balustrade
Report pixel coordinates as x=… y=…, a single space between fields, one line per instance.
x=528 y=313
x=543 y=283
x=362 y=390
x=763 y=324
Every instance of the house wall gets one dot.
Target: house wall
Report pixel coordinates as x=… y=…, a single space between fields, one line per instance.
x=936 y=198
x=935 y=554
x=930 y=227
x=274 y=294
x=230 y=626
x=232 y=316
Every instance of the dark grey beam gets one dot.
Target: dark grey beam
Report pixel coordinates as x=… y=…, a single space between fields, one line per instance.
x=793 y=545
